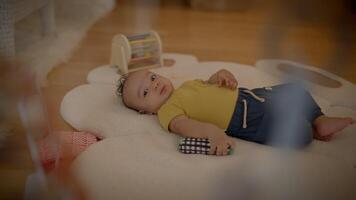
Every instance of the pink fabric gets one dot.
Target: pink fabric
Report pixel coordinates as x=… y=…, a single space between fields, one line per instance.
x=54 y=146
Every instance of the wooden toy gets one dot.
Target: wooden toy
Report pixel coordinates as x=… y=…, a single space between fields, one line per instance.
x=135 y=52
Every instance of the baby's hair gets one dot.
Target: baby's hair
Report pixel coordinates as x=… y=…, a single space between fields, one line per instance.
x=120 y=90
x=121 y=84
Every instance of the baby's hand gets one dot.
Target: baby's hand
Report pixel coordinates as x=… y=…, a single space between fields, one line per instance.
x=220 y=143
x=223 y=78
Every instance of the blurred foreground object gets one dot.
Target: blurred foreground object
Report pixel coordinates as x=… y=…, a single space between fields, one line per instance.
x=15 y=159
x=24 y=110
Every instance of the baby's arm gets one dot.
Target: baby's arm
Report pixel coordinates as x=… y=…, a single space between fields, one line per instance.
x=223 y=78
x=186 y=127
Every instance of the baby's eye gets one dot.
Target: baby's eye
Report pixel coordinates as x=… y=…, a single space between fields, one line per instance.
x=145 y=92
x=153 y=77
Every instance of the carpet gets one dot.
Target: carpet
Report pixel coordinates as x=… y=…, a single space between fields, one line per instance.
x=73 y=19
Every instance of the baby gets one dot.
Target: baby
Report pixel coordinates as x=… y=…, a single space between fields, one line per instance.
x=217 y=110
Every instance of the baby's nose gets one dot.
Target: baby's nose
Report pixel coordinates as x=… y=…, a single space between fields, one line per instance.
x=156 y=84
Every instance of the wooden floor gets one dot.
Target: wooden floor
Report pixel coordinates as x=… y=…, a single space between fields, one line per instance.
x=255 y=31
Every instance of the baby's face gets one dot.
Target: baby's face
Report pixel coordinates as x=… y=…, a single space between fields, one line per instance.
x=146 y=91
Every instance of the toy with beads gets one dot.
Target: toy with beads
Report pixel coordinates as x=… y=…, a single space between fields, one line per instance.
x=134 y=52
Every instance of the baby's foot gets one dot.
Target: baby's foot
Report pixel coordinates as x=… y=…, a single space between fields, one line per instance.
x=325 y=127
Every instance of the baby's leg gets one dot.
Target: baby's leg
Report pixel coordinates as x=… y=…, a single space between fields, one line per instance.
x=325 y=127
x=288 y=115
x=295 y=95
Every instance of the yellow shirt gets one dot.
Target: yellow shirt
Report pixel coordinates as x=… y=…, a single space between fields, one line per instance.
x=199 y=101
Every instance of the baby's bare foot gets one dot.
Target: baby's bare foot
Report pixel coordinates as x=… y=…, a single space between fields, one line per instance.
x=326 y=127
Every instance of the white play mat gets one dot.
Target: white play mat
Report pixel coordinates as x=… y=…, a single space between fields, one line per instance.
x=139 y=160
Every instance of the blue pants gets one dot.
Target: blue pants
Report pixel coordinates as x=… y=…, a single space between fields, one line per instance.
x=283 y=119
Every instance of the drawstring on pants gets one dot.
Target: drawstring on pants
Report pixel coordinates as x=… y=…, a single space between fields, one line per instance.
x=244 y=125
x=244 y=122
